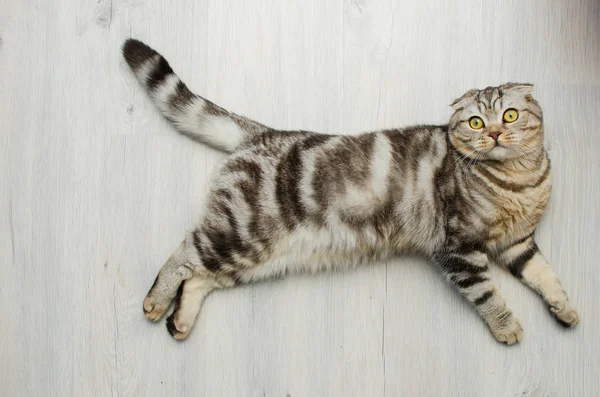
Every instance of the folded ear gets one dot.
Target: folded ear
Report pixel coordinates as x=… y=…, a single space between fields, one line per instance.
x=524 y=89
x=459 y=102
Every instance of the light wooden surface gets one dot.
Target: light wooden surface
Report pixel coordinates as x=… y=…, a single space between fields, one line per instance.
x=97 y=190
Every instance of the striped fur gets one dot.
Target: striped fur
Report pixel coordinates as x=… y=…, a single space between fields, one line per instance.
x=191 y=114
x=296 y=201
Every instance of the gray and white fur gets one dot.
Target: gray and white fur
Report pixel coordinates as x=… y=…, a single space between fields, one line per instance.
x=464 y=195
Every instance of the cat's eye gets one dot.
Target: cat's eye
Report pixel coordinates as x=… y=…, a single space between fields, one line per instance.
x=511 y=115
x=476 y=123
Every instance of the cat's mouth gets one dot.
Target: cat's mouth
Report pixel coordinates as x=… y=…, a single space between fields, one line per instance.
x=494 y=147
x=498 y=145
x=499 y=152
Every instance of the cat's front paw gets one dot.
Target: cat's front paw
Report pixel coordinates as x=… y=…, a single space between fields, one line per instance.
x=565 y=313
x=507 y=329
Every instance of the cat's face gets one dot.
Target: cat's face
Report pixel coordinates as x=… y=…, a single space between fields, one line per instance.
x=497 y=123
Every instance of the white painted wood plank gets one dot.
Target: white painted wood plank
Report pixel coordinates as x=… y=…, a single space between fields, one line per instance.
x=97 y=190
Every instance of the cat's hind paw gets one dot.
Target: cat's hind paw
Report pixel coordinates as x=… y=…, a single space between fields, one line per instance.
x=188 y=301
x=163 y=291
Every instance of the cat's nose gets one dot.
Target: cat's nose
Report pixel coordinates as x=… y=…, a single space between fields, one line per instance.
x=495 y=134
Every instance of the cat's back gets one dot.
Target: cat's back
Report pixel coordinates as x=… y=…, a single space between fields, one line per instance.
x=371 y=189
x=347 y=178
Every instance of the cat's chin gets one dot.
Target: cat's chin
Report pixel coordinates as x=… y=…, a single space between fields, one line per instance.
x=500 y=153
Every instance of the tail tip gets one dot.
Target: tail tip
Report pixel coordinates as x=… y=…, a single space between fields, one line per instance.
x=136 y=53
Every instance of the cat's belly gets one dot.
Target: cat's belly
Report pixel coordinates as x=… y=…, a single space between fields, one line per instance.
x=310 y=249
x=337 y=246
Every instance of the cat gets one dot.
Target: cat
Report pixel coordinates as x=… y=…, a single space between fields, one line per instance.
x=464 y=195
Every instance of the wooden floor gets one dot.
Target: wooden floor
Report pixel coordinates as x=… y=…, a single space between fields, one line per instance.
x=97 y=190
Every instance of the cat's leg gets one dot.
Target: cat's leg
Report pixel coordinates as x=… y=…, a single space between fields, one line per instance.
x=177 y=269
x=525 y=262
x=185 y=281
x=213 y=264
x=469 y=273
x=187 y=277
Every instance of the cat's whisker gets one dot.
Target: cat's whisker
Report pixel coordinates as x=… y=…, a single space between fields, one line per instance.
x=464 y=156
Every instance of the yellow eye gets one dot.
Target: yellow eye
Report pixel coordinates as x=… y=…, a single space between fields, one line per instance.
x=511 y=115
x=476 y=123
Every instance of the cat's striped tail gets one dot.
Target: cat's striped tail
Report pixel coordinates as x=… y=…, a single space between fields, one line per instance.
x=191 y=114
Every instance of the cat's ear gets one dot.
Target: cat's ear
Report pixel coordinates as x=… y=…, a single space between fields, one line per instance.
x=524 y=89
x=459 y=102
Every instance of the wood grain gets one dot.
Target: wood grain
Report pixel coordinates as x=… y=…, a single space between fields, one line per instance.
x=97 y=191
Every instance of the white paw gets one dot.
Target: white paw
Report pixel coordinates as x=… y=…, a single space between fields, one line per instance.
x=565 y=313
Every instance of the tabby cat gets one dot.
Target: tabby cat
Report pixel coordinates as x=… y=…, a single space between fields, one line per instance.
x=464 y=195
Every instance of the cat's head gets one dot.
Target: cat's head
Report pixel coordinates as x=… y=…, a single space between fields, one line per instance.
x=497 y=123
